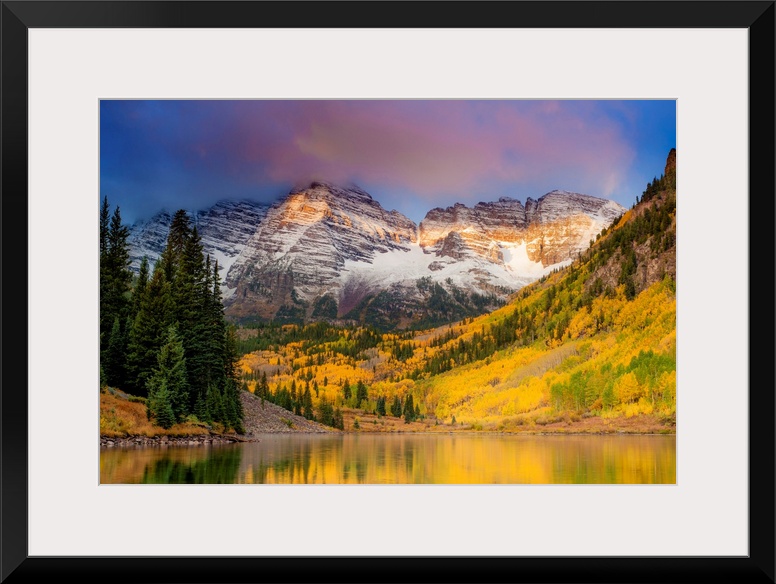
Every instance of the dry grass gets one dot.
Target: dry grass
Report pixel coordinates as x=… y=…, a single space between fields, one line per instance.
x=121 y=417
x=373 y=423
x=544 y=423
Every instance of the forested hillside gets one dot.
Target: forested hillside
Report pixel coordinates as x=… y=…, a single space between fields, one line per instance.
x=592 y=345
x=163 y=336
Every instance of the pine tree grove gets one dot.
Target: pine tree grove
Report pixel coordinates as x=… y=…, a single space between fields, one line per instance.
x=164 y=336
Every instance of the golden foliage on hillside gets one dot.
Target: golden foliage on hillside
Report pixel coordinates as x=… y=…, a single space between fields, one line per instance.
x=615 y=359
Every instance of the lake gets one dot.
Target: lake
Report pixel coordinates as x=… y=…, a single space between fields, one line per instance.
x=401 y=459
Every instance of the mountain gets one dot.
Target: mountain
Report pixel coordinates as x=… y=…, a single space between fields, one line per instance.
x=334 y=253
x=224 y=228
x=589 y=347
x=306 y=248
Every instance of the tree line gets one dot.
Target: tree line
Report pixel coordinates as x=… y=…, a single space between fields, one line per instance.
x=163 y=335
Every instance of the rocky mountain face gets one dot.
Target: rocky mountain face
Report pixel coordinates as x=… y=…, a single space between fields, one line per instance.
x=670 y=169
x=300 y=251
x=651 y=224
x=549 y=231
x=224 y=228
x=328 y=252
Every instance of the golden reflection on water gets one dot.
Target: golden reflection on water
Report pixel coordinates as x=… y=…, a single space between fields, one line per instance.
x=401 y=459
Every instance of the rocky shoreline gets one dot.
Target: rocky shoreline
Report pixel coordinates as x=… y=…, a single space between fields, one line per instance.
x=193 y=440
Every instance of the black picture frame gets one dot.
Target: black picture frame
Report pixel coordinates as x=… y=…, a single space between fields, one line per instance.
x=19 y=16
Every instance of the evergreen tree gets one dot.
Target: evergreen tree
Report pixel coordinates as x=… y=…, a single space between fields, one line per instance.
x=147 y=332
x=169 y=379
x=626 y=274
x=346 y=393
x=361 y=393
x=233 y=406
x=178 y=235
x=161 y=407
x=294 y=399
x=114 y=363
x=139 y=288
x=212 y=403
x=184 y=268
x=396 y=408
x=104 y=278
x=206 y=329
x=338 y=420
x=409 y=410
x=223 y=340
x=307 y=401
x=104 y=218
x=286 y=401
x=117 y=257
x=325 y=412
x=232 y=400
x=381 y=405
x=115 y=277
x=200 y=409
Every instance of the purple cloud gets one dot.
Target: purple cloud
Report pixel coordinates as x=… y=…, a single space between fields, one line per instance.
x=432 y=150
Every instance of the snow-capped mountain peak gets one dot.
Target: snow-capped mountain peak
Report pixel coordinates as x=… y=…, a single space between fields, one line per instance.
x=333 y=246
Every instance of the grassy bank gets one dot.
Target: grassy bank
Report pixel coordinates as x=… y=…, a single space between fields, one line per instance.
x=122 y=415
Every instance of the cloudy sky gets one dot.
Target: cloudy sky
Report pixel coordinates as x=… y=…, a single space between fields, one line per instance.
x=410 y=155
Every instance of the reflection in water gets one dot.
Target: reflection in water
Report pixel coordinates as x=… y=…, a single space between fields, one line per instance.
x=209 y=465
x=402 y=459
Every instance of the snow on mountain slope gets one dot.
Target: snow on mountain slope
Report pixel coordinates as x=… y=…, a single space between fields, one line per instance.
x=415 y=263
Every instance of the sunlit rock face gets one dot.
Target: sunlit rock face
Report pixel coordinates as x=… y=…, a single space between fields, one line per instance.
x=549 y=230
x=309 y=244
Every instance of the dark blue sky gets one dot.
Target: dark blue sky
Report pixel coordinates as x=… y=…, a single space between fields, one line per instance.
x=410 y=155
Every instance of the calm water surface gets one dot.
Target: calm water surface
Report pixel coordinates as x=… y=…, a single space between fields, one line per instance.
x=401 y=459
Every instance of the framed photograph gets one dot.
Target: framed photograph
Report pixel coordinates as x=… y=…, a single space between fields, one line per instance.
x=110 y=103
